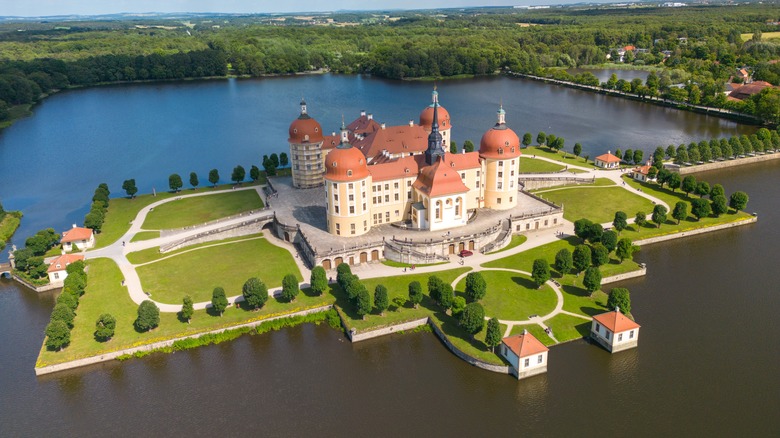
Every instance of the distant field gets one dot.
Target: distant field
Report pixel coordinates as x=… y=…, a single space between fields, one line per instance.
x=765 y=36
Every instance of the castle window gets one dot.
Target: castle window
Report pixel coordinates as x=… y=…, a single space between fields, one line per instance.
x=295 y=130
x=338 y=227
x=334 y=186
x=397 y=213
x=351 y=209
x=463 y=175
x=478 y=174
x=351 y=186
x=500 y=163
x=387 y=186
x=363 y=184
x=500 y=185
x=511 y=198
x=335 y=196
x=409 y=194
x=408 y=183
x=349 y=173
x=336 y=207
x=351 y=228
x=387 y=216
x=500 y=151
x=335 y=164
x=364 y=206
x=500 y=174
x=498 y=200
x=316 y=129
x=387 y=198
x=351 y=197
x=396 y=185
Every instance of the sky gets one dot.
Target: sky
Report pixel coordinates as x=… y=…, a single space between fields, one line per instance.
x=34 y=8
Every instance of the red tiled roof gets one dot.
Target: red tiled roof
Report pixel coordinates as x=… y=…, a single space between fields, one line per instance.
x=426 y=118
x=402 y=139
x=363 y=125
x=644 y=170
x=608 y=158
x=62 y=262
x=403 y=167
x=330 y=142
x=524 y=345
x=439 y=179
x=304 y=129
x=748 y=90
x=76 y=234
x=345 y=164
x=616 y=322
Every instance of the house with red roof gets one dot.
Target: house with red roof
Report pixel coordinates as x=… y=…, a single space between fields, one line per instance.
x=77 y=238
x=642 y=173
x=526 y=354
x=614 y=331
x=607 y=161
x=57 y=268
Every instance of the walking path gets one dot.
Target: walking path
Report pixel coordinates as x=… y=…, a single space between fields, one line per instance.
x=118 y=250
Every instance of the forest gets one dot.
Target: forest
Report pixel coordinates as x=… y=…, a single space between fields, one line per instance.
x=696 y=49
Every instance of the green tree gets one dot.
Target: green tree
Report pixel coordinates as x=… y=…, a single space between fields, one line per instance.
x=194 y=179
x=638 y=153
x=447 y=295
x=689 y=184
x=659 y=214
x=255 y=293
x=343 y=271
x=435 y=285
x=453 y=147
x=702 y=188
x=468 y=146
x=63 y=313
x=592 y=279
x=620 y=222
x=577 y=149
x=541 y=138
x=619 y=297
x=717 y=190
x=290 y=288
x=458 y=304
x=238 y=174
x=275 y=160
x=363 y=303
x=319 y=280
x=472 y=319
x=700 y=208
x=415 y=293
x=582 y=228
x=674 y=181
x=254 y=173
x=599 y=254
x=625 y=249
x=219 y=301
x=269 y=166
x=57 y=335
x=129 y=187
x=540 y=272
x=283 y=160
x=628 y=156
x=609 y=240
x=213 y=177
x=581 y=258
x=618 y=153
x=187 y=309
x=680 y=211
x=493 y=334
x=671 y=152
x=75 y=284
x=68 y=299
x=104 y=327
x=640 y=220
x=527 y=139
x=476 y=286
x=738 y=200
x=719 y=205
x=148 y=316
x=174 y=182
x=381 y=301
x=563 y=261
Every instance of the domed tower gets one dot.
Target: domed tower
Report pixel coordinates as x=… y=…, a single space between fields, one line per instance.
x=500 y=150
x=306 y=150
x=347 y=185
x=426 y=119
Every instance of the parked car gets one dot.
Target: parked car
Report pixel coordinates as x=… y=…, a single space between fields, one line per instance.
x=466 y=253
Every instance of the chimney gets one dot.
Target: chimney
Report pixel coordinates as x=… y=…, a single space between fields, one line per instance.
x=333 y=134
x=74 y=225
x=383 y=126
x=370 y=116
x=411 y=122
x=525 y=332
x=362 y=113
x=617 y=309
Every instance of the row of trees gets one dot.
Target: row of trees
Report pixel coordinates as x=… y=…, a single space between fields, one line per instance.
x=64 y=312
x=29 y=260
x=97 y=211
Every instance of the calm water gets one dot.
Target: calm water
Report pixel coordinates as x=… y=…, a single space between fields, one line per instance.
x=707 y=362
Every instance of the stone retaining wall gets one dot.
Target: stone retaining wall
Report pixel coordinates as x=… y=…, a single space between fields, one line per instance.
x=357 y=337
x=238 y=230
x=44 y=288
x=503 y=369
x=544 y=183
x=163 y=344
x=620 y=277
x=728 y=163
x=673 y=236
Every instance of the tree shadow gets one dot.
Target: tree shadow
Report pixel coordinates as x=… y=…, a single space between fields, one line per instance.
x=575 y=291
x=592 y=311
x=309 y=292
x=583 y=329
x=525 y=282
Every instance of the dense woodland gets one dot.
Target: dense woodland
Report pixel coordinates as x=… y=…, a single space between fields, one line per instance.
x=704 y=48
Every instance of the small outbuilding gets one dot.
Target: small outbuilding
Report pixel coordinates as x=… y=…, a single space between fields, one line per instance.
x=77 y=238
x=642 y=173
x=607 y=161
x=526 y=354
x=57 y=268
x=614 y=331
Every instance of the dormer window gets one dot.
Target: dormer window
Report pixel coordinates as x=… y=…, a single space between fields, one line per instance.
x=334 y=164
x=349 y=173
x=316 y=129
x=500 y=151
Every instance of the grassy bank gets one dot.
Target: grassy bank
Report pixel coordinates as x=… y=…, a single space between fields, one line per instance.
x=186 y=212
x=8 y=226
x=597 y=204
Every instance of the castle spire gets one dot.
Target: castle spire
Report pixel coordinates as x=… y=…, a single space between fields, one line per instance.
x=303 y=106
x=435 y=139
x=344 y=132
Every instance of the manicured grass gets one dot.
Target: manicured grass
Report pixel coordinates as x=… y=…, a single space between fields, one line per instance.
x=473 y=346
x=151 y=254
x=197 y=273
x=558 y=156
x=121 y=211
x=530 y=165
x=567 y=327
x=8 y=226
x=597 y=204
x=105 y=295
x=535 y=330
x=517 y=240
x=397 y=286
x=513 y=296
x=198 y=210
x=409 y=265
x=598 y=182
x=145 y=235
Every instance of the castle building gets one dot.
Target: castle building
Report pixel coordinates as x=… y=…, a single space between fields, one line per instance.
x=374 y=174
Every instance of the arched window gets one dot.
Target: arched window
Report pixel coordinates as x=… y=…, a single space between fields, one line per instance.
x=458 y=206
x=438 y=210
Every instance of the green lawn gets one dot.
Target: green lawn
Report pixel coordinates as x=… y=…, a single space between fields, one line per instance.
x=105 y=295
x=198 y=272
x=513 y=296
x=151 y=254
x=597 y=204
x=517 y=240
x=121 y=211
x=567 y=327
x=145 y=235
x=8 y=226
x=198 y=210
x=535 y=330
x=530 y=165
x=558 y=156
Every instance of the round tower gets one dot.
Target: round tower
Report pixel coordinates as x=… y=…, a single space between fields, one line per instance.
x=306 y=150
x=347 y=184
x=426 y=119
x=500 y=150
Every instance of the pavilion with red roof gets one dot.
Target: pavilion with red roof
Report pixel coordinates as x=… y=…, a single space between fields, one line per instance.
x=526 y=354
x=614 y=331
